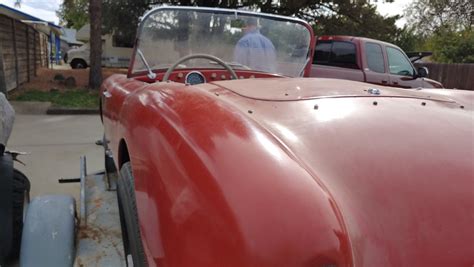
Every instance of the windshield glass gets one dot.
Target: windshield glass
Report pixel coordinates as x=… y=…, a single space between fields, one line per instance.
x=245 y=40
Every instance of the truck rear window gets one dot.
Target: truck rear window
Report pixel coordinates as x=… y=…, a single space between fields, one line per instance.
x=336 y=53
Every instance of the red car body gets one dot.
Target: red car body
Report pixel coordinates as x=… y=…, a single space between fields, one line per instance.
x=277 y=171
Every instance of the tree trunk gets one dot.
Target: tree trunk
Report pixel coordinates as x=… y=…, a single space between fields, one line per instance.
x=95 y=70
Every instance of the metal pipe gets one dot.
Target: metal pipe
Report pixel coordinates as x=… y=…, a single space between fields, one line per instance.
x=83 y=175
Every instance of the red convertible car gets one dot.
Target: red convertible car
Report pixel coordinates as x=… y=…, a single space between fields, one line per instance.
x=228 y=157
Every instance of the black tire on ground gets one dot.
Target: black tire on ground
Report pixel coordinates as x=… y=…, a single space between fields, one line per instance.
x=129 y=217
x=6 y=199
x=21 y=197
x=12 y=214
x=126 y=247
x=78 y=64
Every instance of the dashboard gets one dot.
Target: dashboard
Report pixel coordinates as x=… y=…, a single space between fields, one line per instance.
x=194 y=77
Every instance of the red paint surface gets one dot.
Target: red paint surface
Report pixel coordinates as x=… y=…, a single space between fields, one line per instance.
x=236 y=173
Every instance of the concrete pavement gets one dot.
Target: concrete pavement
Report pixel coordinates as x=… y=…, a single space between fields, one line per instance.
x=56 y=144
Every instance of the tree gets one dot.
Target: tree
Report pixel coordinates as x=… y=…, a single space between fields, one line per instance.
x=74 y=13
x=357 y=17
x=446 y=28
x=452 y=46
x=95 y=70
x=408 y=40
x=427 y=16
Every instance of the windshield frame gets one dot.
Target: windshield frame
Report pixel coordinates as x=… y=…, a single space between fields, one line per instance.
x=306 y=70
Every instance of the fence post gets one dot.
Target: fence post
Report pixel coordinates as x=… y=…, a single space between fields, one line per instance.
x=3 y=81
x=27 y=53
x=15 y=52
x=34 y=51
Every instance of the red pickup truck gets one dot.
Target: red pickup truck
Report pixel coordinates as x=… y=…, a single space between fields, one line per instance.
x=367 y=60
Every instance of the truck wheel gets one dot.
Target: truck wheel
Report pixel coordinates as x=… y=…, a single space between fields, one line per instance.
x=21 y=198
x=78 y=64
x=133 y=246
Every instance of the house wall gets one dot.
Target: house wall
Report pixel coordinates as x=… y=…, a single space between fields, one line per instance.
x=23 y=50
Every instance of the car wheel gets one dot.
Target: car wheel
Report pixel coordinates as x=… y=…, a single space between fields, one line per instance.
x=21 y=198
x=133 y=246
x=78 y=64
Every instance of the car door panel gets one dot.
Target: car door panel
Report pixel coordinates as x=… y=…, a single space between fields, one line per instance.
x=375 y=67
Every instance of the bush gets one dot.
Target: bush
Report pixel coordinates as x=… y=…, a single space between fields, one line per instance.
x=58 y=77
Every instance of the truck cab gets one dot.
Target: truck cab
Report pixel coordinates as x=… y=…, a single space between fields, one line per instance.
x=367 y=60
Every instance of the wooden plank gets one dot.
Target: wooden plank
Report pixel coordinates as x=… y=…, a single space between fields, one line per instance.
x=22 y=77
x=10 y=84
x=8 y=69
x=10 y=76
x=30 y=63
x=14 y=48
x=3 y=82
x=21 y=52
x=20 y=27
x=470 y=83
x=19 y=34
x=9 y=57
x=6 y=37
x=34 y=54
x=5 y=23
x=21 y=44
x=9 y=62
x=4 y=18
x=5 y=30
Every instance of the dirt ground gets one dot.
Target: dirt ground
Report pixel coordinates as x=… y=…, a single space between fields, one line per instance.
x=44 y=80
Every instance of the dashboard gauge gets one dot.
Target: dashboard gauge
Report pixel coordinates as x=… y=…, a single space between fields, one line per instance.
x=195 y=77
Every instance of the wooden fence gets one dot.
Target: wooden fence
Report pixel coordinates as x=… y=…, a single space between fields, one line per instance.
x=22 y=51
x=459 y=76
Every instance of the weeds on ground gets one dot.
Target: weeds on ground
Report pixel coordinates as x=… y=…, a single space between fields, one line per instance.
x=72 y=98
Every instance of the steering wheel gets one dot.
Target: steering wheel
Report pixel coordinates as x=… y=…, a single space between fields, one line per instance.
x=204 y=56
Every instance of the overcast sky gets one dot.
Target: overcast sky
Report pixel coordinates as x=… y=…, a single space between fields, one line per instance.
x=46 y=9
x=43 y=9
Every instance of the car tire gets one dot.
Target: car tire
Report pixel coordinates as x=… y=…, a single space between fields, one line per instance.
x=14 y=213
x=21 y=198
x=78 y=64
x=133 y=245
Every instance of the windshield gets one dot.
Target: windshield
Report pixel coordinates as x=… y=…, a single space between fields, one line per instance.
x=244 y=40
